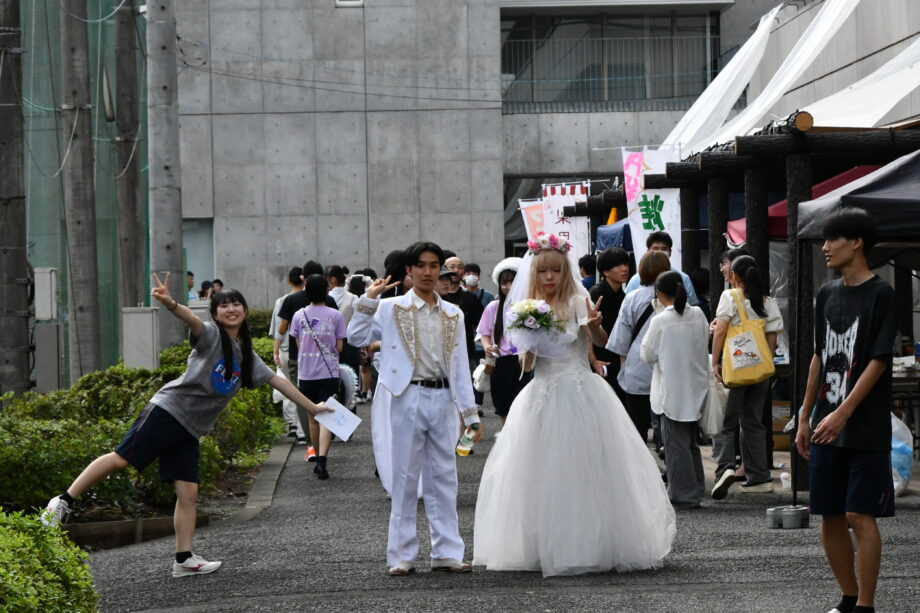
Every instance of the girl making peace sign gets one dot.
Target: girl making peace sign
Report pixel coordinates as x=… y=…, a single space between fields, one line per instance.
x=182 y=411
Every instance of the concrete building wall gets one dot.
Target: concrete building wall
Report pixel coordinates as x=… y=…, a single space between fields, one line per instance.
x=309 y=131
x=876 y=32
x=579 y=142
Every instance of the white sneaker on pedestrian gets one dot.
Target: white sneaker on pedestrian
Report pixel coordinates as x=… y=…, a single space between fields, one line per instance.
x=764 y=487
x=56 y=513
x=725 y=480
x=195 y=565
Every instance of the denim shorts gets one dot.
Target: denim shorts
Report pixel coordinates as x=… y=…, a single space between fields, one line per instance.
x=156 y=434
x=843 y=480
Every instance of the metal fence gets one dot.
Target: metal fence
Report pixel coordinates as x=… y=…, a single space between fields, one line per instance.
x=607 y=69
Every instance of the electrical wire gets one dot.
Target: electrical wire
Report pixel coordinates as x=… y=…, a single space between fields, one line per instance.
x=130 y=157
x=100 y=20
x=69 y=143
x=278 y=81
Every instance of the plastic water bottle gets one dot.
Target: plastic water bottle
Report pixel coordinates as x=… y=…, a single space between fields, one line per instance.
x=465 y=444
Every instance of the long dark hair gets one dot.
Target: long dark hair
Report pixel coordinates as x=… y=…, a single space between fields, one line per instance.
x=671 y=284
x=499 y=329
x=226 y=345
x=746 y=269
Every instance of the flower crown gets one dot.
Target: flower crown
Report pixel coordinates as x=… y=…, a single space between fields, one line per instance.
x=542 y=240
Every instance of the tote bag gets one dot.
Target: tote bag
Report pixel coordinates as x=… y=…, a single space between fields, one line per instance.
x=746 y=357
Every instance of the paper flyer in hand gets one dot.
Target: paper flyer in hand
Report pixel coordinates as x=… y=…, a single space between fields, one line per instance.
x=342 y=423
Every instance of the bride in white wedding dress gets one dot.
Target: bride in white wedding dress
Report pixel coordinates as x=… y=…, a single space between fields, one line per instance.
x=569 y=487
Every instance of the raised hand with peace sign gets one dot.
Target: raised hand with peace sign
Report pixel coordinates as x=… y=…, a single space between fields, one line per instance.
x=379 y=286
x=595 y=317
x=160 y=291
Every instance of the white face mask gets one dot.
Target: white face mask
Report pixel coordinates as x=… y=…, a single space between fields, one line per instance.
x=471 y=280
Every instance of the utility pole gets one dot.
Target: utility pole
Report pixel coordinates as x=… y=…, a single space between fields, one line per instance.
x=163 y=154
x=79 y=191
x=132 y=246
x=14 y=268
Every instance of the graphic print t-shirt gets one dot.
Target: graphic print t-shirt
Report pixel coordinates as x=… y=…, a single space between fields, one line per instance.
x=853 y=326
x=314 y=362
x=197 y=397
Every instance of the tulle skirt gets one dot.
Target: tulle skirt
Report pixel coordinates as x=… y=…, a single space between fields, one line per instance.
x=570 y=487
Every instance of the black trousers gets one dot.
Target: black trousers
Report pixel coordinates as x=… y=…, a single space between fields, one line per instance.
x=639 y=408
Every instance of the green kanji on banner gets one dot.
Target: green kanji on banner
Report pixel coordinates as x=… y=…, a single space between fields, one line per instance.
x=651 y=212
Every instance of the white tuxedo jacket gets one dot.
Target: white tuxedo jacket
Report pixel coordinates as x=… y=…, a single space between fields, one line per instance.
x=392 y=322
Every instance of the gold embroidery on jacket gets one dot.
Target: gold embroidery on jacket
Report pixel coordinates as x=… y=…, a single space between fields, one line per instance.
x=448 y=332
x=408 y=329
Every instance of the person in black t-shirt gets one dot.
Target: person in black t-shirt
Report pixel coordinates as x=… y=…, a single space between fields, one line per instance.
x=845 y=424
x=613 y=266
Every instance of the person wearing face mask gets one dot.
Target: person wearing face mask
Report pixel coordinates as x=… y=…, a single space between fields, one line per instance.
x=471 y=283
x=450 y=290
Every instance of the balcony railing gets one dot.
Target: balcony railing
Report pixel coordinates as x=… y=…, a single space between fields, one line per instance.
x=608 y=72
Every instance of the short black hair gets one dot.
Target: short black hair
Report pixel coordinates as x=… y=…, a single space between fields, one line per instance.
x=336 y=272
x=473 y=268
x=851 y=223
x=218 y=282
x=448 y=254
x=294 y=275
x=317 y=289
x=414 y=251
x=700 y=280
x=369 y=272
x=659 y=237
x=312 y=267
x=611 y=257
x=589 y=263
x=189 y=273
x=356 y=284
x=732 y=254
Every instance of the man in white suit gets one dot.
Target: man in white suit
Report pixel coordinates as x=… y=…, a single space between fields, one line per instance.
x=424 y=365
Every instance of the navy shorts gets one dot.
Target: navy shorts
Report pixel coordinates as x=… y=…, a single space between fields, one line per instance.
x=318 y=390
x=845 y=480
x=156 y=434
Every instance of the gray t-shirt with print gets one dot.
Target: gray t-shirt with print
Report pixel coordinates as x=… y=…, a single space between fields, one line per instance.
x=197 y=397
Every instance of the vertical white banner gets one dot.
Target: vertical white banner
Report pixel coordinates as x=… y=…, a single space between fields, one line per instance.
x=577 y=230
x=651 y=210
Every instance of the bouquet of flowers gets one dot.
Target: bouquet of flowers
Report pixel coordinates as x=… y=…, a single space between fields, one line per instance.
x=534 y=315
x=534 y=327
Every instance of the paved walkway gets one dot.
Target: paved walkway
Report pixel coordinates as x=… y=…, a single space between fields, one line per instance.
x=320 y=546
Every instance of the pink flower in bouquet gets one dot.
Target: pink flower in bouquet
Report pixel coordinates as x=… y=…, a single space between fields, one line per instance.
x=543 y=308
x=531 y=323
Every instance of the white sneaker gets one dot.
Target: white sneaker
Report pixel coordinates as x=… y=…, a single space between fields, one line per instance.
x=56 y=513
x=195 y=565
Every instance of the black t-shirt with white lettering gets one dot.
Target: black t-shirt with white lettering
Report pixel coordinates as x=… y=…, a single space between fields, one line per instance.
x=853 y=326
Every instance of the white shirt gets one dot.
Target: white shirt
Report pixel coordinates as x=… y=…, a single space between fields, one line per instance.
x=276 y=322
x=677 y=346
x=346 y=302
x=728 y=311
x=430 y=348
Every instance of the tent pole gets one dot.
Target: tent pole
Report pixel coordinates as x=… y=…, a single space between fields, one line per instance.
x=718 y=225
x=689 y=229
x=799 y=328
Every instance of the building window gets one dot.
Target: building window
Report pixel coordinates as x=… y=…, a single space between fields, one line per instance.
x=607 y=58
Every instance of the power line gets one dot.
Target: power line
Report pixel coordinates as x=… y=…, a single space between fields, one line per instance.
x=99 y=20
x=277 y=81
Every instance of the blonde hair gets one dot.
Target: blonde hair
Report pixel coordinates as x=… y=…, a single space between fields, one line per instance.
x=551 y=258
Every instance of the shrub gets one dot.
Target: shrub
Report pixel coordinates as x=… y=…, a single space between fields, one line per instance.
x=260 y=321
x=176 y=356
x=40 y=569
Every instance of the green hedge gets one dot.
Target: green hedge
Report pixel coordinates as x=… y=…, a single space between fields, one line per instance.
x=259 y=322
x=47 y=439
x=40 y=569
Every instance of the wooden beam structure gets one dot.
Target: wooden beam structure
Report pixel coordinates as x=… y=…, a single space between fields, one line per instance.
x=886 y=142
x=689 y=229
x=757 y=219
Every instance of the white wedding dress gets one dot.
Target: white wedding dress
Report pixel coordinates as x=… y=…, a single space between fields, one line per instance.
x=570 y=487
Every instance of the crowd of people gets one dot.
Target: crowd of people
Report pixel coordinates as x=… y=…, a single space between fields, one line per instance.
x=628 y=354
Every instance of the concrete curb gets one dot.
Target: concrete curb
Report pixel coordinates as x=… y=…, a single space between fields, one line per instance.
x=263 y=488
